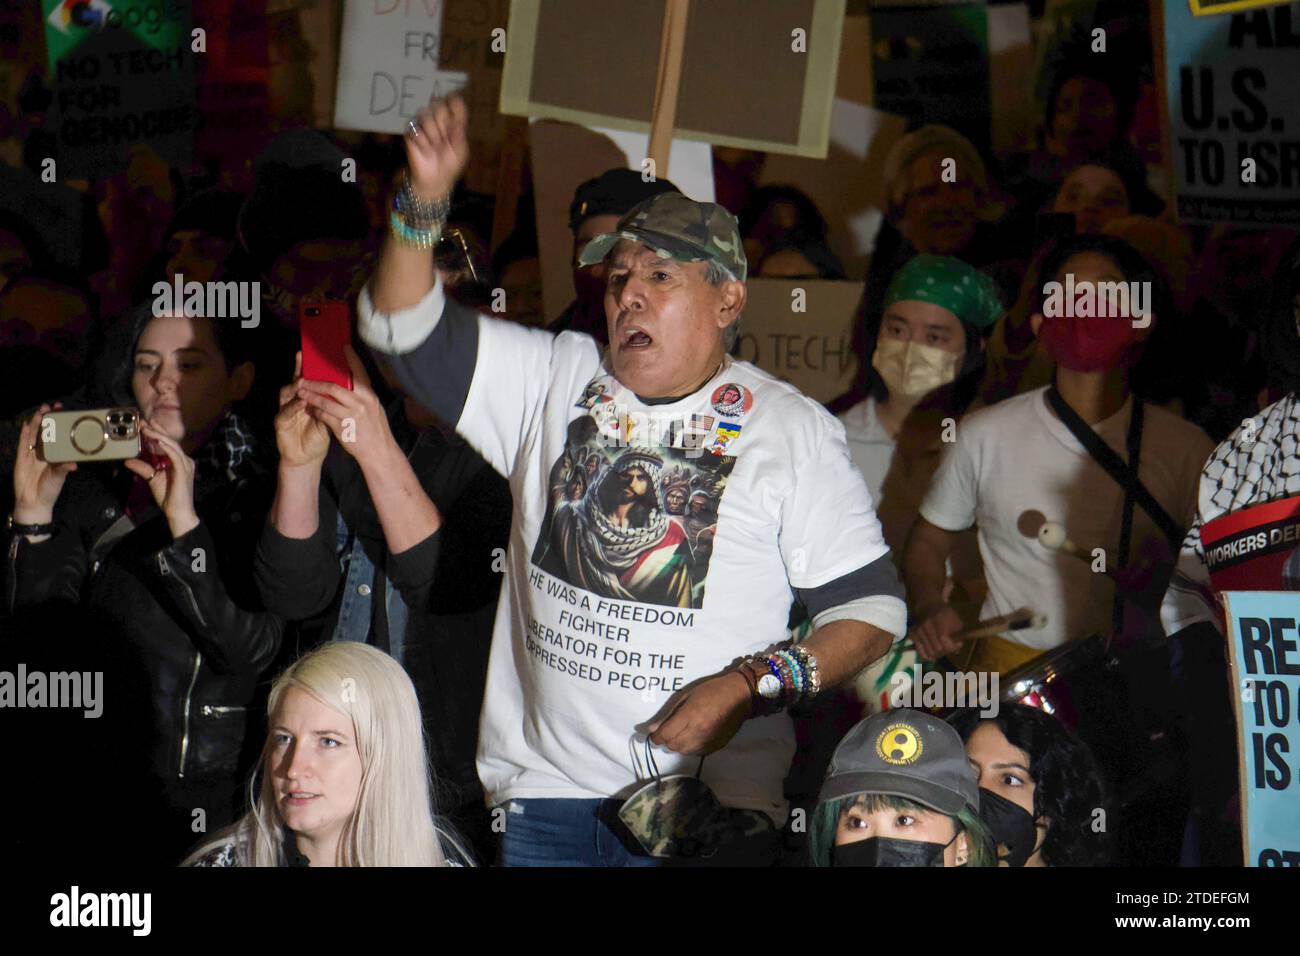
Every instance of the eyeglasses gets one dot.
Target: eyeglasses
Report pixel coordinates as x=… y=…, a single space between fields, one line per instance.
x=458 y=254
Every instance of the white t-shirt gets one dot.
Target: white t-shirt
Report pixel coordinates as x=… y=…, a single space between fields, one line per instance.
x=651 y=545
x=1015 y=459
x=870 y=445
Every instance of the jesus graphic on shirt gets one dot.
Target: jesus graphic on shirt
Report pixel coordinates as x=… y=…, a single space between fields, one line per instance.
x=625 y=534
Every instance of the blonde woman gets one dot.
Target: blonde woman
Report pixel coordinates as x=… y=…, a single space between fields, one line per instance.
x=344 y=779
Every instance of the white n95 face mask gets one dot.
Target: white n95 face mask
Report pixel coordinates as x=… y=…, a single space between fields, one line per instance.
x=910 y=370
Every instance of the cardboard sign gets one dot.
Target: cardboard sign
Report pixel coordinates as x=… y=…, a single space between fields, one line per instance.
x=810 y=349
x=1205 y=8
x=388 y=64
x=468 y=46
x=123 y=74
x=1265 y=651
x=756 y=76
x=1234 y=114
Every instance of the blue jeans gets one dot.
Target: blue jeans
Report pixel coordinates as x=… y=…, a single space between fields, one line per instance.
x=554 y=832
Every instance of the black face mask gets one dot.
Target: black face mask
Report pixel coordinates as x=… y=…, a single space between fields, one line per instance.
x=882 y=851
x=1011 y=825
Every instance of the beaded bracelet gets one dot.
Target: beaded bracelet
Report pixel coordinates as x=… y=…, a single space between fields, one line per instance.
x=419 y=213
x=421 y=238
x=809 y=662
x=796 y=671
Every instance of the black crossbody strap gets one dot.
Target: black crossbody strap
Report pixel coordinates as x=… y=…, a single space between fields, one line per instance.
x=1124 y=474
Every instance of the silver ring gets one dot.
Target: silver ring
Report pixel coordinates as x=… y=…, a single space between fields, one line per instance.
x=153 y=476
x=412 y=130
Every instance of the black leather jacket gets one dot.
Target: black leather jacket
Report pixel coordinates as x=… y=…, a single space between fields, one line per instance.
x=183 y=612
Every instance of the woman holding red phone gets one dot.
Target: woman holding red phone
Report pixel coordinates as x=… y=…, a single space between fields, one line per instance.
x=157 y=553
x=384 y=530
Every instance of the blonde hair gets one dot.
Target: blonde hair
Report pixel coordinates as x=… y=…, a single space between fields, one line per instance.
x=393 y=822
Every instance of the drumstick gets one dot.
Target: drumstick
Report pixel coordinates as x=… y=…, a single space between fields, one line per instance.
x=1018 y=620
x=1052 y=536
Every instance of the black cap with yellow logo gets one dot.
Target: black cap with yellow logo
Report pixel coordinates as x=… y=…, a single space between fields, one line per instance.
x=904 y=753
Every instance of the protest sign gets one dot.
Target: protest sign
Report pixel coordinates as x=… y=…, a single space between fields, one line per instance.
x=1265 y=651
x=754 y=76
x=930 y=64
x=123 y=74
x=801 y=331
x=388 y=64
x=1234 y=110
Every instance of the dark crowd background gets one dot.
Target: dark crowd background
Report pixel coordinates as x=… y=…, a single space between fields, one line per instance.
x=276 y=211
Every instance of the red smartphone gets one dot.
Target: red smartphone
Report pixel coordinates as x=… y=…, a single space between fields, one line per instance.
x=326 y=328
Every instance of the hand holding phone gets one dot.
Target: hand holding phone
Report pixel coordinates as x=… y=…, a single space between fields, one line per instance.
x=37 y=482
x=326 y=328
x=92 y=434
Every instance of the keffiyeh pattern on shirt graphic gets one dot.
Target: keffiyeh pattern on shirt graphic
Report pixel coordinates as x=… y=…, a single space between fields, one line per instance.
x=635 y=521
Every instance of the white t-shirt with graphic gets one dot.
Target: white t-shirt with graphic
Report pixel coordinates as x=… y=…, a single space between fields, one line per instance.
x=651 y=545
x=1015 y=465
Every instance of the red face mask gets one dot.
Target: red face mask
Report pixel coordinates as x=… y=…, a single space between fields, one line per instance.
x=1089 y=344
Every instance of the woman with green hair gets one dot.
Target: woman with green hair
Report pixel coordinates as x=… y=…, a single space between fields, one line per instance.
x=900 y=791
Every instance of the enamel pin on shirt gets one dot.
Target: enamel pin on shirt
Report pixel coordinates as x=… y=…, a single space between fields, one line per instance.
x=731 y=400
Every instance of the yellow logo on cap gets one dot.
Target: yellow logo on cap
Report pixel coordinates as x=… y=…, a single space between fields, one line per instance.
x=899 y=744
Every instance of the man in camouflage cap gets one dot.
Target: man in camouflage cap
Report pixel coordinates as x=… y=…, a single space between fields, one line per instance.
x=617 y=628
x=699 y=246
x=598 y=204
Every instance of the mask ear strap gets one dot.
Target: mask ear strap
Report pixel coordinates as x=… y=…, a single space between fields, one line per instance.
x=960 y=830
x=650 y=759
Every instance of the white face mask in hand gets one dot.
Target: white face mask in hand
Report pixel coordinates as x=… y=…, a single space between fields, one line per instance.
x=911 y=370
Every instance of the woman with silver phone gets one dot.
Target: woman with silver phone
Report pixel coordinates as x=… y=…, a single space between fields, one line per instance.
x=155 y=553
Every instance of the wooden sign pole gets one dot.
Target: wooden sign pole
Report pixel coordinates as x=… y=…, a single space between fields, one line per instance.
x=671 y=46
x=510 y=176
x=1157 y=22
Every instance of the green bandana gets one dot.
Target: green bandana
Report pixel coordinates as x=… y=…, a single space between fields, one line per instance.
x=950 y=283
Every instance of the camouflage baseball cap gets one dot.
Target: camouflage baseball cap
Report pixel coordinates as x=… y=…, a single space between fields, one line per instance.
x=677 y=228
x=904 y=753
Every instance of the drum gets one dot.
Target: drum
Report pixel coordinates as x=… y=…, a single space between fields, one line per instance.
x=1050 y=681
